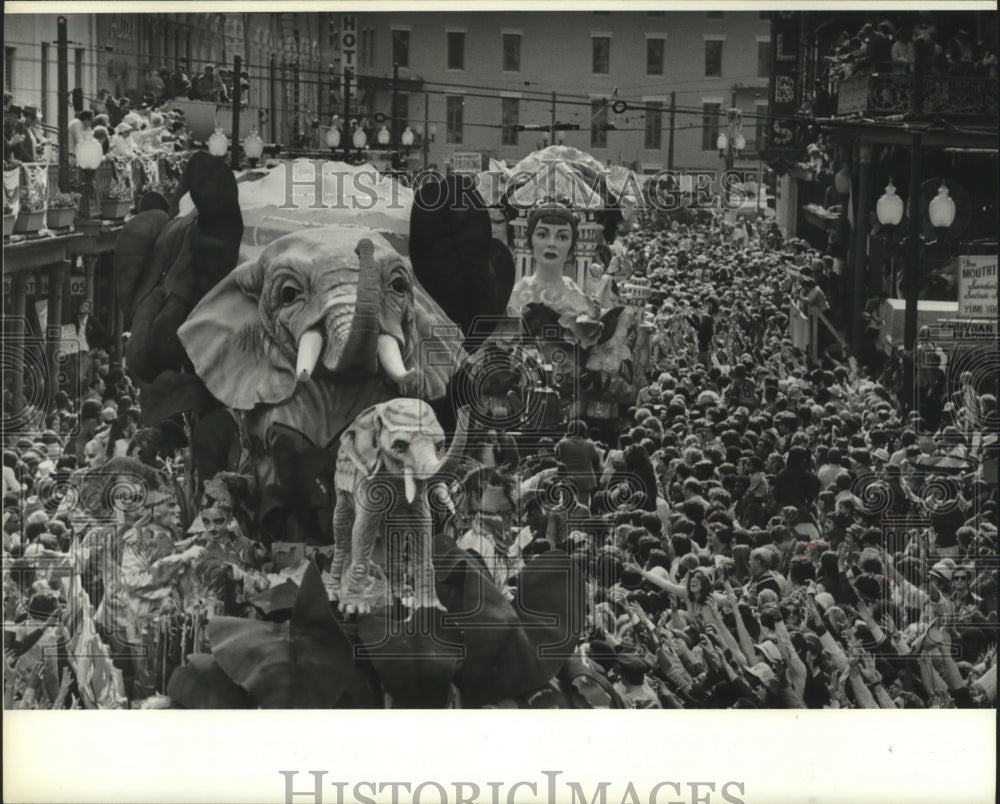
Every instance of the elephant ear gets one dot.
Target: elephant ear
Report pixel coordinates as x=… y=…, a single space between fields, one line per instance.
x=359 y=442
x=438 y=353
x=134 y=269
x=454 y=255
x=231 y=351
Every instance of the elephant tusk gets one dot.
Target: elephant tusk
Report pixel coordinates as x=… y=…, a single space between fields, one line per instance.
x=391 y=359
x=310 y=347
x=409 y=485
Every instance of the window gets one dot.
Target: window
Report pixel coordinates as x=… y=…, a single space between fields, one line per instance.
x=456 y=50
x=713 y=57
x=602 y=55
x=8 y=68
x=763 y=59
x=401 y=48
x=654 y=56
x=654 y=124
x=511 y=52
x=710 y=125
x=763 y=15
x=455 y=105
x=331 y=27
x=657 y=14
x=78 y=67
x=598 y=123
x=714 y=15
x=509 y=113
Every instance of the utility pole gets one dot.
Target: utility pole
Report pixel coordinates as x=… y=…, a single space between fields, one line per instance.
x=273 y=92
x=673 y=118
x=394 y=126
x=732 y=121
x=62 y=95
x=234 y=151
x=348 y=135
x=427 y=129
x=552 y=127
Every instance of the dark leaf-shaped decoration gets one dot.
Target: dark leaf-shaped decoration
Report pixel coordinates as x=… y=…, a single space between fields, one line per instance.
x=365 y=690
x=276 y=600
x=305 y=663
x=203 y=684
x=551 y=605
x=414 y=659
x=509 y=651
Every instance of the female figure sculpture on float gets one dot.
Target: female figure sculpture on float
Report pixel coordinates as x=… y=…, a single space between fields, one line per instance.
x=552 y=233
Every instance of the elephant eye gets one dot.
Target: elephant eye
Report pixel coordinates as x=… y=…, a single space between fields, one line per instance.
x=289 y=293
x=399 y=285
x=439 y=446
x=399 y=446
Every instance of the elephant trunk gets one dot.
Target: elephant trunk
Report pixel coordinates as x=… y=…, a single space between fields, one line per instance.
x=391 y=359
x=310 y=348
x=423 y=463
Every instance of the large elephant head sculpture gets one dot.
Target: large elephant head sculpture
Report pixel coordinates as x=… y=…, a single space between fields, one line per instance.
x=324 y=324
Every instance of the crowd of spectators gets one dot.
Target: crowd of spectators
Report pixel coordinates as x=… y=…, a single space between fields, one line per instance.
x=888 y=47
x=764 y=531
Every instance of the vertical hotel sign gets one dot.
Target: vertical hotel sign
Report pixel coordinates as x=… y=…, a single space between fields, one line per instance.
x=783 y=94
x=349 y=49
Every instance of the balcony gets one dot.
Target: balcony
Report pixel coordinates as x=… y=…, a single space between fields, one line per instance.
x=886 y=94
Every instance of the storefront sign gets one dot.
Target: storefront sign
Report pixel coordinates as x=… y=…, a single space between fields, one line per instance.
x=466 y=162
x=77 y=286
x=966 y=329
x=977 y=286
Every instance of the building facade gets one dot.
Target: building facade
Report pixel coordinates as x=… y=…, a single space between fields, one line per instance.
x=468 y=81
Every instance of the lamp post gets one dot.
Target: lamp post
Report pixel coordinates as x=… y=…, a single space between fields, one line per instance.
x=218 y=144
x=732 y=142
x=89 y=155
x=253 y=147
x=358 y=137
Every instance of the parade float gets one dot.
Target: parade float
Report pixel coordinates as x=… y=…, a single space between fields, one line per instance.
x=591 y=327
x=311 y=324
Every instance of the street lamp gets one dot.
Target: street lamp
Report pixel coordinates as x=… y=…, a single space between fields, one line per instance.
x=253 y=147
x=889 y=208
x=359 y=138
x=383 y=136
x=722 y=143
x=407 y=137
x=89 y=155
x=842 y=180
x=333 y=138
x=218 y=144
x=941 y=210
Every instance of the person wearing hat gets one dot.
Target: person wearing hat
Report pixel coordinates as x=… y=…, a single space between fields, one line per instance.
x=12 y=137
x=209 y=86
x=122 y=144
x=29 y=147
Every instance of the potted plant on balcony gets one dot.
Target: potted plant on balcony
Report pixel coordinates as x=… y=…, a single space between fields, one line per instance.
x=116 y=201
x=31 y=215
x=62 y=210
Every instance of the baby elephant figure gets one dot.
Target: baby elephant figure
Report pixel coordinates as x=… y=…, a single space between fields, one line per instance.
x=387 y=456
